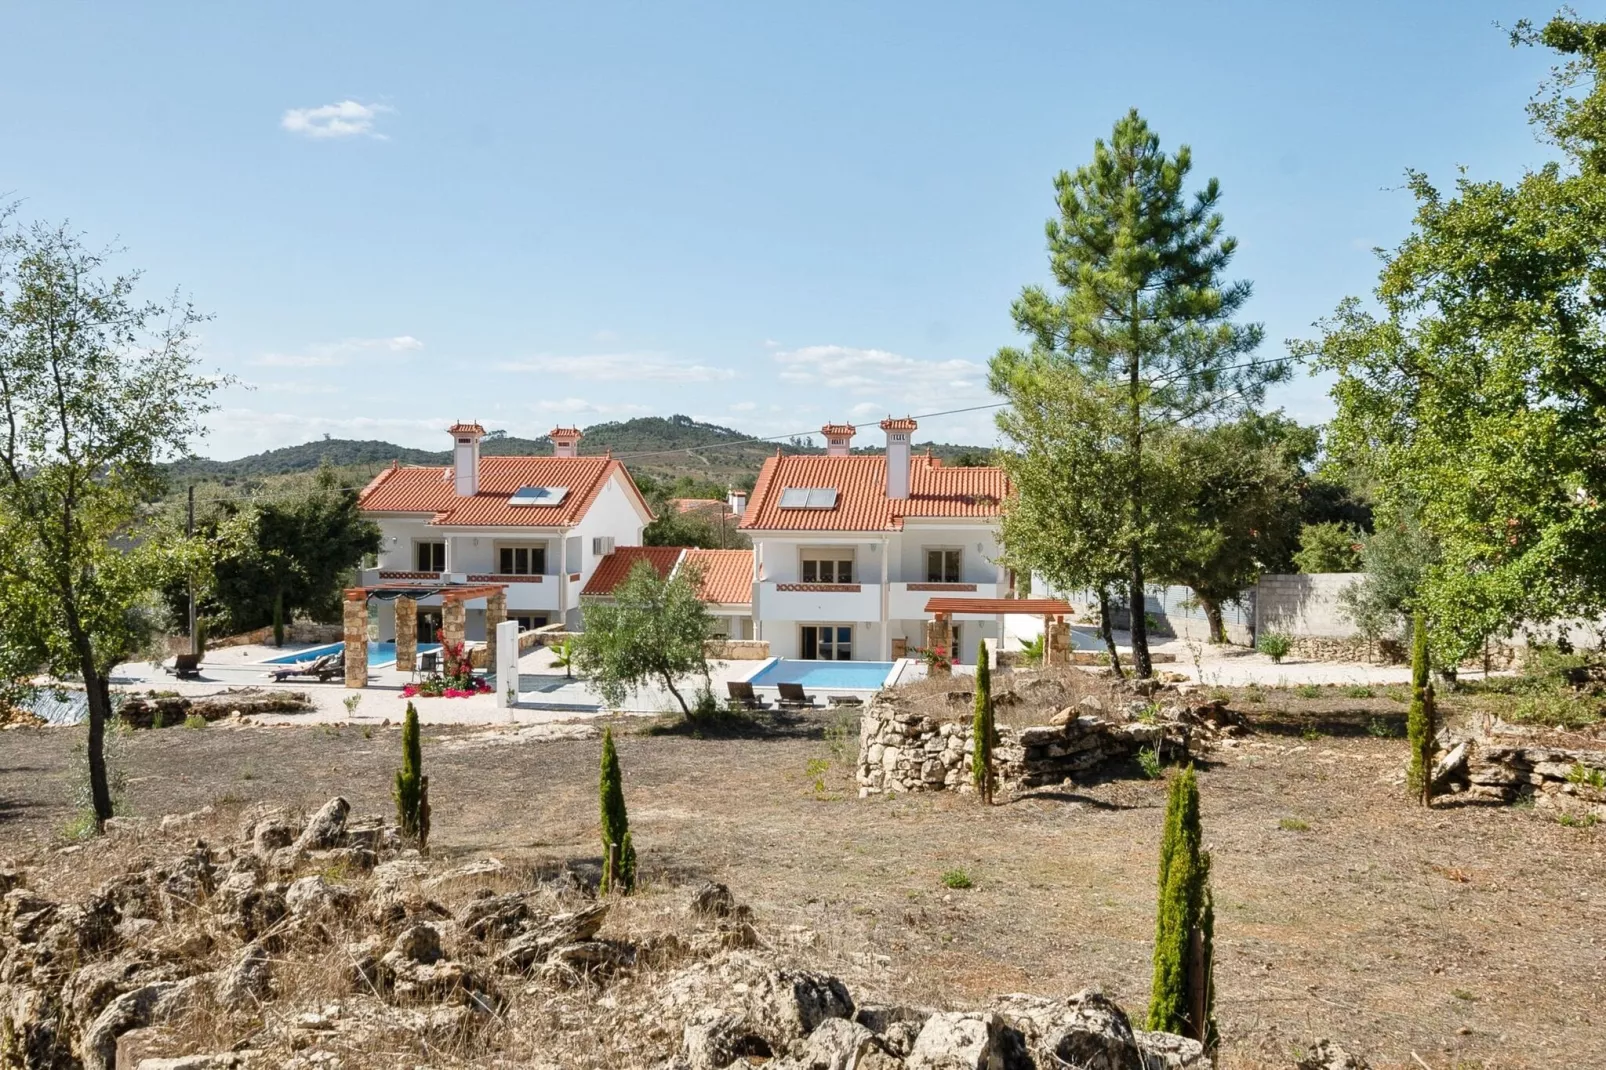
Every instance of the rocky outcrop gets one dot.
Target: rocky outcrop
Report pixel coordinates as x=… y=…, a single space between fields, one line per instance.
x=1504 y=763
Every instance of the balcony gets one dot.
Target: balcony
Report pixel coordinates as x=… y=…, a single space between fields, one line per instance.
x=819 y=601
x=525 y=594
x=907 y=601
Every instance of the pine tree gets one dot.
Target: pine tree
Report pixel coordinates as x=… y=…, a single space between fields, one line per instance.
x=412 y=786
x=981 y=728
x=618 y=853
x=1181 y=996
x=1419 y=723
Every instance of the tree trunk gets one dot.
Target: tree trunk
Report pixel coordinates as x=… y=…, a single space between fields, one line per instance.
x=1141 y=666
x=1198 y=986
x=278 y=616
x=98 y=693
x=1108 y=632
x=670 y=683
x=1212 y=608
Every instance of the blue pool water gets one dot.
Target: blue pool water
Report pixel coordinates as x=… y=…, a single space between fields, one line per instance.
x=849 y=675
x=378 y=653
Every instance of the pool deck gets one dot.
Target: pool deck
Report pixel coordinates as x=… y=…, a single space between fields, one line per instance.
x=546 y=694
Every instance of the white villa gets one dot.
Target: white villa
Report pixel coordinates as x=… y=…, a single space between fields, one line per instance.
x=538 y=526
x=849 y=550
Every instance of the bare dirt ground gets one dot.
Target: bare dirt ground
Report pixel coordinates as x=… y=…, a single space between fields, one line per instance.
x=1463 y=936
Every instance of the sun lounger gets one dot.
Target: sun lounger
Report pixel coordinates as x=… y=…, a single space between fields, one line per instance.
x=741 y=693
x=325 y=668
x=792 y=695
x=186 y=667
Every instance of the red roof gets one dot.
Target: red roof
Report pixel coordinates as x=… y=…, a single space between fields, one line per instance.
x=1037 y=607
x=862 y=502
x=465 y=429
x=727 y=575
x=612 y=570
x=697 y=505
x=565 y=432
x=430 y=489
x=905 y=424
x=839 y=429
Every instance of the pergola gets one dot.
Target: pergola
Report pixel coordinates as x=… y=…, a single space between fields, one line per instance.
x=406 y=596
x=945 y=608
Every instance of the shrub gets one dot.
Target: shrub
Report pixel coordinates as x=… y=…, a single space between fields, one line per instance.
x=1585 y=776
x=1419 y=723
x=1293 y=824
x=1183 y=995
x=981 y=728
x=1381 y=727
x=1329 y=547
x=618 y=854
x=1031 y=650
x=957 y=879
x=195 y=720
x=1149 y=762
x=412 y=786
x=1308 y=691
x=1275 y=645
x=1359 y=691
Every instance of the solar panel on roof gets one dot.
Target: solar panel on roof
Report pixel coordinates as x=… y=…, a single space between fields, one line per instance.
x=808 y=498
x=539 y=496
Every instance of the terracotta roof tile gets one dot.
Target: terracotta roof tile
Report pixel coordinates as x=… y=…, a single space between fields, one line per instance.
x=429 y=489
x=727 y=575
x=465 y=429
x=862 y=502
x=612 y=570
x=905 y=424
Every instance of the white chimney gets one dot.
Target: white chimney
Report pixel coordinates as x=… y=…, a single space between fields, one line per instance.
x=466 y=457
x=738 y=502
x=565 y=441
x=838 y=439
x=898 y=434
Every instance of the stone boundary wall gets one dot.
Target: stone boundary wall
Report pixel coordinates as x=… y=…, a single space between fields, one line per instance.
x=737 y=649
x=298 y=631
x=908 y=751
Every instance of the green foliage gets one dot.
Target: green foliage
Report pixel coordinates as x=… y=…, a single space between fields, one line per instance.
x=412 y=786
x=1332 y=546
x=1185 y=906
x=652 y=632
x=1149 y=762
x=1578 y=821
x=1239 y=502
x=96 y=388
x=1309 y=691
x=1476 y=392
x=1031 y=650
x=956 y=879
x=711 y=528
x=1381 y=728
x=1586 y=776
x=816 y=768
x=1420 y=728
x=1293 y=824
x=1359 y=691
x=618 y=853
x=277 y=557
x=195 y=720
x=982 y=774
x=1275 y=645
x=1138 y=338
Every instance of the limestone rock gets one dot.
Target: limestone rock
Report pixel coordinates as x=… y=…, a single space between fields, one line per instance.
x=323 y=831
x=420 y=944
x=531 y=948
x=1167 y=1051
x=835 y=1044
x=246 y=979
x=495 y=916
x=314 y=897
x=712 y=900
x=1325 y=1055
x=131 y=1010
x=969 y=1040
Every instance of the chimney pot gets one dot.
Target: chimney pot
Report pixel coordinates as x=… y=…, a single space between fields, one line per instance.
x=899 y=433
x=565 y=441
x=838 y=439
x=466 y=457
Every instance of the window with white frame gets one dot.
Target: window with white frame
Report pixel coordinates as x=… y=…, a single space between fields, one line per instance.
x=429 y=556
x=942 y=565
x=826 y=642
x=601 y=545
x=827 y=566
x=515 y=560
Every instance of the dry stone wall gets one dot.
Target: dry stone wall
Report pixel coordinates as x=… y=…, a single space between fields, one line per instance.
x=908 y=750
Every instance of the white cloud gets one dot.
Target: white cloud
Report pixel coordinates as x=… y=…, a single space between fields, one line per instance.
x=744 y=406
x=331 y=354
x=346 y=118
x=620 y=368
x=890 y=377
x=582 y=407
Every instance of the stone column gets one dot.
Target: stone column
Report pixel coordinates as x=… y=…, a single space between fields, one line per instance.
x=495 y=613
x=406 y=634
x=452 y=614
x=938 y=635
x=1056 y=642
x=356 y=622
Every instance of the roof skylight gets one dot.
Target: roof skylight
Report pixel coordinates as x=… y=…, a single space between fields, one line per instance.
x=539 y=496
x=808 y=498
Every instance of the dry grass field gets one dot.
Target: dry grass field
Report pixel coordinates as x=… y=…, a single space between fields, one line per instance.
x=1464 y=936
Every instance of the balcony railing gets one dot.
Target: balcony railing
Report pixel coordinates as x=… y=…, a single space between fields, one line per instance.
x=819 y=601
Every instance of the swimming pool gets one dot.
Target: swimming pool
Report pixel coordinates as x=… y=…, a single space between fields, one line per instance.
x=378 y=653
x=846 y=675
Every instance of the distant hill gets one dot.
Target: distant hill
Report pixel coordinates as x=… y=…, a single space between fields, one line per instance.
x=656 y=445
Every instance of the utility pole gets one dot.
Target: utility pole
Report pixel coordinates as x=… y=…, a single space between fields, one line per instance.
x=189 y=533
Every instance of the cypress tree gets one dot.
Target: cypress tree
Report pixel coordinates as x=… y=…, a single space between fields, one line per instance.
x=412 y=786
x=981 y=728
x=617 y=850
x=1419 y=725
x=1185 y=908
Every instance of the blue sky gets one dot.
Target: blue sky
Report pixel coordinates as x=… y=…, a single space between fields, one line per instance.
x=761 y=215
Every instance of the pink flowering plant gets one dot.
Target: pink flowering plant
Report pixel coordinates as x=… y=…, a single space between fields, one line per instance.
x=457 y=681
